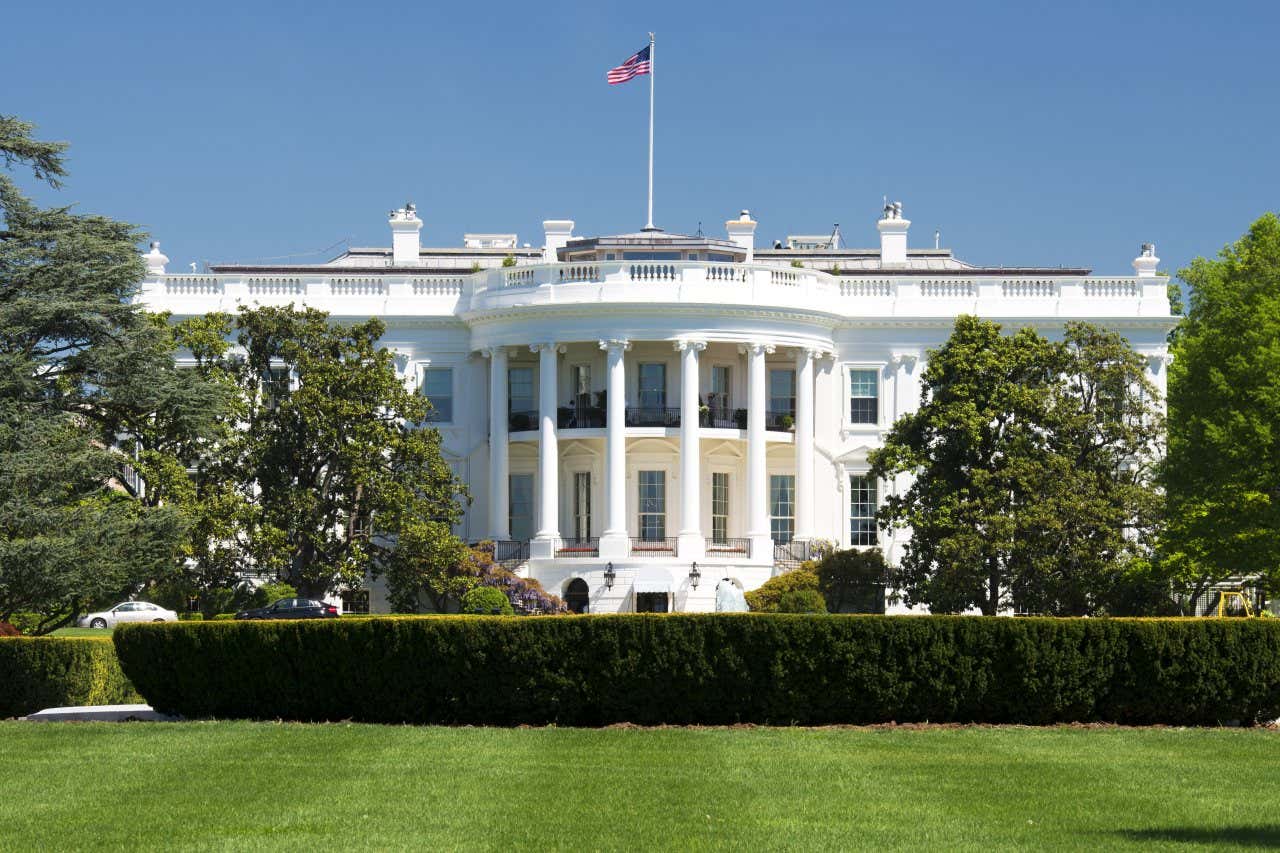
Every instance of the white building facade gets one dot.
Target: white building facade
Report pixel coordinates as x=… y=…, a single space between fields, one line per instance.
x=645 y=417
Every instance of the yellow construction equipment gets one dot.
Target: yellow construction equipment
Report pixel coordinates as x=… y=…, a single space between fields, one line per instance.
x=1233 y=595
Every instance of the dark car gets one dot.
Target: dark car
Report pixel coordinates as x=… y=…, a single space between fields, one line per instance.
x=291 y=608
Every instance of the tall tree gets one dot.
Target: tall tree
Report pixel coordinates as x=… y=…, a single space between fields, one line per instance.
x=1025 y=472
x=71 y=339
x=1223 y=467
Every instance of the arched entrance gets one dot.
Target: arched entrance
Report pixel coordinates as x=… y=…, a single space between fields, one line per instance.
x=577 y=595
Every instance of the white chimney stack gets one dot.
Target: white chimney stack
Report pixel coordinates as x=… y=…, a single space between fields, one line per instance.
x=405 y=226
x=743 y=232
x=558 y=234
x=1145 y=264
x=155 y=259
x=893 y=236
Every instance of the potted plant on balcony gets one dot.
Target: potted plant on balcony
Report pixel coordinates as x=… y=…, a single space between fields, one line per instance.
x=509 y=261
x=786 y=423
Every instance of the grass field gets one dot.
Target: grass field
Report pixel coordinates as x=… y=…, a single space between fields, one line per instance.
x=225 y=785
x=82 y=632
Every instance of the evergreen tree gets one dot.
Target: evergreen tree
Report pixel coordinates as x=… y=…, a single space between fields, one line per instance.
x=1223 y=467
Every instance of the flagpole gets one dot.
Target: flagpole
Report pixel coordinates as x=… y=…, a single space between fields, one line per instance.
x=649 y=224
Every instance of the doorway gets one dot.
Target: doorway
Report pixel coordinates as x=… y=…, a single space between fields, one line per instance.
x=653 y=602
x=576 y=596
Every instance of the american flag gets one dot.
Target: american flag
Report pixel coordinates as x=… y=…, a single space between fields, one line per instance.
x=635 y=66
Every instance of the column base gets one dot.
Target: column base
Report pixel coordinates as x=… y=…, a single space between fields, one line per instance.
x=543 y=547
x=691 y=546
x=761 y=547
x=615 y=546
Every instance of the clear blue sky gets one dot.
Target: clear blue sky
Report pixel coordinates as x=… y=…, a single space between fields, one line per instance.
x=1031 y=133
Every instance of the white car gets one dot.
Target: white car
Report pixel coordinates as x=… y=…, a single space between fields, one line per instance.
x=127 y=611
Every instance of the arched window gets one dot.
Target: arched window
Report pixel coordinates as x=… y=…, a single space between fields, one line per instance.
x=576 y=595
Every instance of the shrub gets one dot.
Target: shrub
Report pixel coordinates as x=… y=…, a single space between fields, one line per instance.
x=487 y=600
x=853 y=581
x=801 y=601
x=270 y=592
x=51 y=672
x=223 y=617
x=711 y=669
x=7 y=630
x=191 y=617
x=765 y=598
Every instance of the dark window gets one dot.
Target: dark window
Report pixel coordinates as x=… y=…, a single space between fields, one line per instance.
x=864 y=397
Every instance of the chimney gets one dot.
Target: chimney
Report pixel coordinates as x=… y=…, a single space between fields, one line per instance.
x=742 y=231
x=558 y=234
x=155 y=259
x=405 y=226
x=893 y=236
x=1145 y=264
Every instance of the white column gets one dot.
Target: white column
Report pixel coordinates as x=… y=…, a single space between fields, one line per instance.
x=614 y=541
x=691 y=545
x=547 y=538
x=757 y=481
x=804 y=444
x=499 y=508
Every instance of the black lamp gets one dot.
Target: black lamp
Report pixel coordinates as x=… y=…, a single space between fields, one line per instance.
x=609 y=576
x=694 y=575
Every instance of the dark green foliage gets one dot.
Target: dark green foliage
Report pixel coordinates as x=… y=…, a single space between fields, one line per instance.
x=712 y=669
x=802 y=601
x=486 y=600
x=52 y=672
x=853 y=581
x=764 y=599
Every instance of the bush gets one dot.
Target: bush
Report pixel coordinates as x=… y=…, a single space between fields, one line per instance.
x=487 y=600
x=853 y=581
x=51 y=672
x=191 y=617
x=712 y=669
x=7 y=630
x=271 y=592
x=223 y=617
x=765 y=598
x=802 y=601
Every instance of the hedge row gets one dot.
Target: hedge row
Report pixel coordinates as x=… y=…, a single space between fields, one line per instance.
x=52 y=672
x=711 y=669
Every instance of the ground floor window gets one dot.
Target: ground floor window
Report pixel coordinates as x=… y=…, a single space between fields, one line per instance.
x=719 y=507
x=782 y=508
x=521 y=506
x=355 y=601
x=582 y=505
x=652 y=602
x=862 y=511
x=653 y=505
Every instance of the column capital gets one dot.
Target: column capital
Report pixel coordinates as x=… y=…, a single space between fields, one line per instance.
x=615 y=343
x=682 y=345
x=1158 y=361
x=815 y=353
x=548 y=345
x=756 y=347
x=904 y=359
x=489 y=352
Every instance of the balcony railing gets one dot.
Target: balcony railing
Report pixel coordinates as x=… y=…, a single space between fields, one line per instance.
x=651 y=547
x=728 y=547
x=578 y=548
x=511 y=553
x=780 y=421
x=652 y=416
x=717 y=417
x=580 y=417
x=522 y=421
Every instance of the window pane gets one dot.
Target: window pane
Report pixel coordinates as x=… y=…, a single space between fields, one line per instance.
x=862 y=511
x=864 y=397
x=653 y=386
x=653 y=505
x=719 y=507
x=582 y=505
x=520 y=389
x=782 y=392
x=521 y=504
x=782 y=507
x=437 y=386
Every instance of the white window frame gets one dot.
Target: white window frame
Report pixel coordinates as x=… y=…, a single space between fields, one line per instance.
x=847 y=488
x=426 y=367
x=846 y=396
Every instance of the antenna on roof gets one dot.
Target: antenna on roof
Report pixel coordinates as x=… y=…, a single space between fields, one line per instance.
x=937 y=238
x=699 y=227
x=835 y=238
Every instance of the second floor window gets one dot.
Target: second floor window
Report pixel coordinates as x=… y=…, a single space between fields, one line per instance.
x=520 y=391
x=653 y=386
x=782 y=392
x=864 y=397
x=437 y=387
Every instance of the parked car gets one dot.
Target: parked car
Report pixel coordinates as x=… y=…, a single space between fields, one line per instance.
x=127 y=611
x=291 y=608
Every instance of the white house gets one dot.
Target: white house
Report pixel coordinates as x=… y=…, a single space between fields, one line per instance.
x=645 y=416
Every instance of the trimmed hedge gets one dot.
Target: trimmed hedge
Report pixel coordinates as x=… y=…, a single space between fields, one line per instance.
x=711 y=669
x=52 y=672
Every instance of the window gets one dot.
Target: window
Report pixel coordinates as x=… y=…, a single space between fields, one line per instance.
x=782 y=392
x=582 y=505
x=719 y=507
x=520 y=403
x=864 y=397
x=782 y=508
x=653 y=386
x=653 y=505
x=580 y=385
x=437 y=387
x=275 y=386
x=355 y=601
x=651 y=256
x=862 y=511
x=520 y=492
x=718 y=400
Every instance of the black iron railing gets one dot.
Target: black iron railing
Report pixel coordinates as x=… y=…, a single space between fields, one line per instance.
x=580 y=417
x=716 y=417
x=790 y=555
x=652 y=547
x=729 y=547
x=780 y=421
x=572 y=548
x=511 y=553
x=522 y=421
x=652 y=416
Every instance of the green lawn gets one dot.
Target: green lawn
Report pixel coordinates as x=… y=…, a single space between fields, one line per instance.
x=235 y=785
x=82 y=632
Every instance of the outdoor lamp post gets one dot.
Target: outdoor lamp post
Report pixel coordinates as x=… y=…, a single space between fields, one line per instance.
x=694 y=576
x=609 y=576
